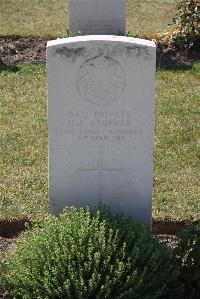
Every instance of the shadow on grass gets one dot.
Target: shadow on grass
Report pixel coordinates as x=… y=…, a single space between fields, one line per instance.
x=174 y=67
x=8 y=67
x=12 y=228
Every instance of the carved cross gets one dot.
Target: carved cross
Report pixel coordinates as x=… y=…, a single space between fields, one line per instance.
x=100 y=171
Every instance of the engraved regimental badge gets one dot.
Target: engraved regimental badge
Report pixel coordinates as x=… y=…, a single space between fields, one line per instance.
x=100 y=80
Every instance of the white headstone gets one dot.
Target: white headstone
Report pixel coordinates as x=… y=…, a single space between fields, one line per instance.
x=97 y=16
x=100 y=118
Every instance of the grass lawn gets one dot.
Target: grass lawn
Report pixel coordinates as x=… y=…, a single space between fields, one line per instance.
x=177 y=144
x=23 y=143
x=49 y=17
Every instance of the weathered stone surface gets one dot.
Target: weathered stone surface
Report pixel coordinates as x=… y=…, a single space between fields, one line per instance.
x=100 y=118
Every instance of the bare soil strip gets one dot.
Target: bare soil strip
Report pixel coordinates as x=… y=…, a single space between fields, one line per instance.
x=16 y=50
x=12 y=228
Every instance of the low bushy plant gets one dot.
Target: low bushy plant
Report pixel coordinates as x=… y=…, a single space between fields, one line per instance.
x=188 y=254
x=89 y=255
x=186 y=25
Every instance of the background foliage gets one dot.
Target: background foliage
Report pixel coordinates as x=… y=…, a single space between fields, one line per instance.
x=186 y=30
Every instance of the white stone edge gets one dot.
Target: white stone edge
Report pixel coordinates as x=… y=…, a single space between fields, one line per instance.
x=110 y=38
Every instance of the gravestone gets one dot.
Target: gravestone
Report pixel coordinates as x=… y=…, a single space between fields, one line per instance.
x=97 y=16
x=100 y=120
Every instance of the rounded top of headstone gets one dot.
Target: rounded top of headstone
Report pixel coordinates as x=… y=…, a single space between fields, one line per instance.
x=100 y=80
x=101 y=38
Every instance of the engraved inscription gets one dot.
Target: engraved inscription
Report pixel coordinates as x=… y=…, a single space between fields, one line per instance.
x=100 y=80
x=101 y=126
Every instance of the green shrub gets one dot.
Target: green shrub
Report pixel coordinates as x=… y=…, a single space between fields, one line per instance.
x=186 y=26
x=89 y=255
x=188 y=255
